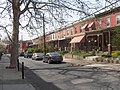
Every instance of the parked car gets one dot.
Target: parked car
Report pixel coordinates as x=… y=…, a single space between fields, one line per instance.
x=37 y=56
x=53 y=57
x=28 y=55
x=21 y=54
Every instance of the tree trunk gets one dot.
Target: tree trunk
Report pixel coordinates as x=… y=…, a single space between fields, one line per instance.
x=15 y=34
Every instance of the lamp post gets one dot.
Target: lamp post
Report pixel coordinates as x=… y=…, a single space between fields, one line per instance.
x=39 y=14
x=44 y=42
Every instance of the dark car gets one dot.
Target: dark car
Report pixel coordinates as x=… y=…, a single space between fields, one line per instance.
x=37 y=56
x=53 y=57
x=21 y=54
x=28 y=54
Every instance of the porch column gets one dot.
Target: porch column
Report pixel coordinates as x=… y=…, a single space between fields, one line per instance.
x=58 y=45
x=86 y=43
x=109 y=45
x=71 y=47
x=98 y=40
x=102 y=42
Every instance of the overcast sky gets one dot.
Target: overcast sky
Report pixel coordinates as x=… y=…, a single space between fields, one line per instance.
x=24 y=35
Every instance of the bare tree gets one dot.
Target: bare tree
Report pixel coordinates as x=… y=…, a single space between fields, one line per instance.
x=26 y=14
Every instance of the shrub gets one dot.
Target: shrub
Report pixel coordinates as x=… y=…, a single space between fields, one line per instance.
x=116 y=54
x=93 y=52
x=106 y=56
x=99 y=59
x=31 y=50
x=76 y=52
x=84 y=54
x=37 y=50
x=63 y=52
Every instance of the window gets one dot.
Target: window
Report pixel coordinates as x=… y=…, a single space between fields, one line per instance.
x=80 y=29
x=64 y=34
x=53 y=36
x=60 y=34
x=108 y=22
x=99 y=24
x=71 y=32
x=118 y=19
x=67 y=31
x=75 y=30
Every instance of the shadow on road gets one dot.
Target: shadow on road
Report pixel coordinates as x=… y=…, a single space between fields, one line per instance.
x=37 y=82
x=102 y=78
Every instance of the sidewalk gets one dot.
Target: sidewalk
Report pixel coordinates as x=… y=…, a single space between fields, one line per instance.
x=10 y=79
x=79 y=62
x=88 y=62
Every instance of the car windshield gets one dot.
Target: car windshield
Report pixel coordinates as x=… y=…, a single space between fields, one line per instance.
x=54 y=54
x=39 y=53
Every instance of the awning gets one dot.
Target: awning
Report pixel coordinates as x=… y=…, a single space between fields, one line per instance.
x=83 y=27
x=77 y=39
x=90 y=25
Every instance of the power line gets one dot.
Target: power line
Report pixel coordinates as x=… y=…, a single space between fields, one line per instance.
x=100 y=9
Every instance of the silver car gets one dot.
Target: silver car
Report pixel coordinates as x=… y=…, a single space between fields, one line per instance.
x=53 y=57
x=37 y=56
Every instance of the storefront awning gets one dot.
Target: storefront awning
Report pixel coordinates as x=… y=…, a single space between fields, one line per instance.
x=83 y=27
x=77 y=39
x=90 y=25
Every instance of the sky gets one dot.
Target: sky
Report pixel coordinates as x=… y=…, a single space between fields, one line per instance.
x=25 y=35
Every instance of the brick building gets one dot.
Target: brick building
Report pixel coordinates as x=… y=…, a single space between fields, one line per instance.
x=85 y=35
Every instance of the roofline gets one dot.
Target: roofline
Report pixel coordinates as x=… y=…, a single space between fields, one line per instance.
x=112 y=10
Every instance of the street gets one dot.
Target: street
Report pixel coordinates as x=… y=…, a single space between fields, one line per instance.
x=65 y=76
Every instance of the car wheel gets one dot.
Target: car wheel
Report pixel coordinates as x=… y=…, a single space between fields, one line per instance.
x=59 y=62
x=49 y=61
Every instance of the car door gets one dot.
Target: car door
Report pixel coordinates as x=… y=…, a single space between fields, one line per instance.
x=33 y=56
x=46 y=57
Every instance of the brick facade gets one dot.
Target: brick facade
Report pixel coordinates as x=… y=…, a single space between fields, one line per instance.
x=96 y=29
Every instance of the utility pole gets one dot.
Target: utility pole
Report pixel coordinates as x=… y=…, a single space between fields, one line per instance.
x=44 y=42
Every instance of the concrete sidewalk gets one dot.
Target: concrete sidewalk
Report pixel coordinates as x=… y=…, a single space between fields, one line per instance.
x=79 y=62
x=88 y=62
x=11 y=79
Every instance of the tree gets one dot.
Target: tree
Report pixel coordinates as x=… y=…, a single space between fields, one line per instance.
x=31 y=12
x=2 y=46
x=116 y=37
x=31 y=50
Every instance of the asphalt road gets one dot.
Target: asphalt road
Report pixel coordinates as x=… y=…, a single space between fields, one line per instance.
x=64 y=76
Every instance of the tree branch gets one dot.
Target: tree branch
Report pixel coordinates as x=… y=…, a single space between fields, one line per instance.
x=26 y=7
x=5 y=28
x=10 y=1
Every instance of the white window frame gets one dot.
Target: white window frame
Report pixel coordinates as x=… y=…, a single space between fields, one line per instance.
x=80 y=28
x=107 y=18
x=100 y=23
x=118 y=18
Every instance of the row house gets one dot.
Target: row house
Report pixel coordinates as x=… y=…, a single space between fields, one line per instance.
x=23 y=45
x=88 y=34
x=37 y=42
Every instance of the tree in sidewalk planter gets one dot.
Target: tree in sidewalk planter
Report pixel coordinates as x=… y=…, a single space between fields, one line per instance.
x=38 y=50
x=116 y=37
x=31 y=50
x=49 y=48
x=2 y=48
x=28 y=15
